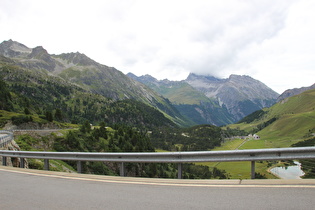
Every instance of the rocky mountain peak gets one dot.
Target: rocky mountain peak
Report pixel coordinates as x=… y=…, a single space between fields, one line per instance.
x=39 y=52
x=38 y=57
x=203 y=82
x=13 y=49
x=42 y=59
x=243 y=80
x=148 y=78
x=132 y=76
x=240 y=94
x=207 y=99
x=78 y=59
x=150 y=81
x=192 y=77
x=234 y=77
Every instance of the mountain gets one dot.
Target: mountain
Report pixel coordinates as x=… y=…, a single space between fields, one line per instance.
x=83 y=72
x=190 y=102
x=206 y=99
x=241 y=95
x=34 y=100
x=293 y=92
x=177 y=92
x=14 y=49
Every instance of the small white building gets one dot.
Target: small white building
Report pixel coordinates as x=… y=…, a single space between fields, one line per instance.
x=254 y=136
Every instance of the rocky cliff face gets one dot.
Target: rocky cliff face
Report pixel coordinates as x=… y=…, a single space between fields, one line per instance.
x=11 y=161
x=241 y=95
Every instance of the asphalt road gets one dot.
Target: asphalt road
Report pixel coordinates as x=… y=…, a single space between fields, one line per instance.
x=31 y=189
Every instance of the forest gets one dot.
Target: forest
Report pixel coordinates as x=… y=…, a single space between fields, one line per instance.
x=119 y=138
x=104 y=125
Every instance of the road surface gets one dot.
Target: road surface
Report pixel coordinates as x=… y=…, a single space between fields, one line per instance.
x=32 y=189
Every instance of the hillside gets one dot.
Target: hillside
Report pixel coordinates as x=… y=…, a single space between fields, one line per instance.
x=288 y=121
x=78 y=70
x=40 y=98
x=294 y=91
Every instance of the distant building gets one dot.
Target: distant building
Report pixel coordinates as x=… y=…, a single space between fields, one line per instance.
x=249 y=137
x=254 y=136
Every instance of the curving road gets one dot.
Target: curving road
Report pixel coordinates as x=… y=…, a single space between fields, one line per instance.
x=32 y=189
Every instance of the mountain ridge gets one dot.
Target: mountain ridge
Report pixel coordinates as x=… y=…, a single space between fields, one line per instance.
x=293 y=92
x=199 y=99
x=208 y=99
x=88 y=74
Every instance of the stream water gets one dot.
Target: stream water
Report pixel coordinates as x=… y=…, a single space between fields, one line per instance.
x=288 y=172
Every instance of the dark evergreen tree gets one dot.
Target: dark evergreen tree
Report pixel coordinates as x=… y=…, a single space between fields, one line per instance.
x=58 y=114
x=86 y=127
x=49 y=116
x=27 y=111
x=5 y=97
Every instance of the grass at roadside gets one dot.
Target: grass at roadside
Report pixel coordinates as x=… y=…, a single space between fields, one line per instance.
x=230 y=145
x=54 y=165
x=269 y=143
x=242 y=170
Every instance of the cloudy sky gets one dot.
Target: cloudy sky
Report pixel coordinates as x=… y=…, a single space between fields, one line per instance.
x=271 y=40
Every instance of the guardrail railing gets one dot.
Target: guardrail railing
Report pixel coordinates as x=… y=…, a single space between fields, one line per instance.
x=167 y=157
x=5 y=137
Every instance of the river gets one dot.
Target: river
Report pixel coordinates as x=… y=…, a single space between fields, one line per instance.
x=288 y=172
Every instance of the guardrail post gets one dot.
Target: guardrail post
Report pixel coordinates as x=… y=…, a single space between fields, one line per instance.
x=253 y=169
x=22 y=163
x=122 y=169
x=79 y=167
x=46 y=164
x=180 y=170
x=4 y=161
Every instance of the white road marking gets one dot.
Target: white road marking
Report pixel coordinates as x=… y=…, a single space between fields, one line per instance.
x=160 y=183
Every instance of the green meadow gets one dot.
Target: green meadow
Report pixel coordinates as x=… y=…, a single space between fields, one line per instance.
x=287 y=122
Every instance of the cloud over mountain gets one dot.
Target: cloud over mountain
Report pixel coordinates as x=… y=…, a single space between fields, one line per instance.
x=170 y=39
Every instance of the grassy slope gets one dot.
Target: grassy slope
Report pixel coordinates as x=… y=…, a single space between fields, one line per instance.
x=296 y=120
x=183 y=93
x=238 y=170
x=94 y=79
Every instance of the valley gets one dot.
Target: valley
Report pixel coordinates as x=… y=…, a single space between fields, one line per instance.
x=210 y=100
x=104 y=110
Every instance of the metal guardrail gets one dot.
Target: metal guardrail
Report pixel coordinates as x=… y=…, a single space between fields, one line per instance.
x=6 y=137
x=167 y=157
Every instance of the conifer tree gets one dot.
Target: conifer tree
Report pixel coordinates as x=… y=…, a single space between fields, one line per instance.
x=5 y=96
